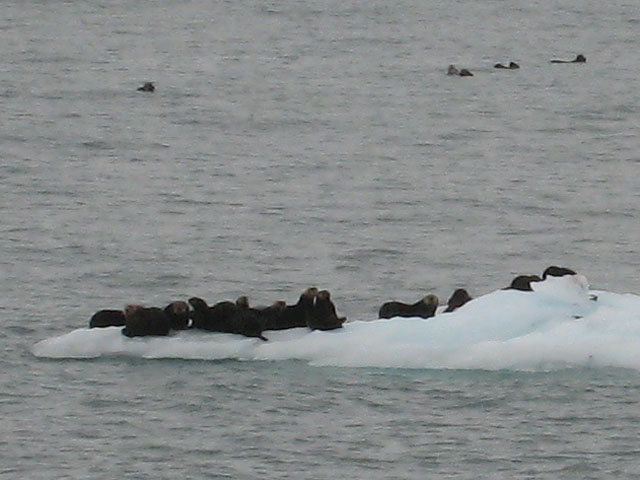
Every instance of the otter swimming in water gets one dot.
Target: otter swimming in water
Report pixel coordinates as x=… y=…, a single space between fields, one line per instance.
x=511 y=66
x=453 y=70
x=147 y=87
x=579 y=59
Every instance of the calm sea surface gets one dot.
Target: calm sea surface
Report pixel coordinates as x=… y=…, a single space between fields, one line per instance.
x=299 y=143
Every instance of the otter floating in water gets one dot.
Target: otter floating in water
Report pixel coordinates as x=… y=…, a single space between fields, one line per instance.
x=453 y=70
x=579 y=59
x=511 y=66
x=147 y=87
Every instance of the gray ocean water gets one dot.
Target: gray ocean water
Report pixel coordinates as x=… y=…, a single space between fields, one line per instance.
x=300 y=143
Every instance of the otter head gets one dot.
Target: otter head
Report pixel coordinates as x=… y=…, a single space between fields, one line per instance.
x=580 y=58
x=311 y=292
x=323 y=295
x=198 y=304
x=460 y=295
x=554 y=271
x=523 y=282
x=179 y=307
x=431 y=299
x=243 y=302
x=452 y=70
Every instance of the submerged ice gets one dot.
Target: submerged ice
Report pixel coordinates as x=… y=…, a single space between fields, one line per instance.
x=561 y=323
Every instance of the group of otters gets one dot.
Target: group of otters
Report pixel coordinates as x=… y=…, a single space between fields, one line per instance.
x=453 y=70
x=314 y=310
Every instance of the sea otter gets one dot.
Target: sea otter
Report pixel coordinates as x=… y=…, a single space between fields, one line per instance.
x=147 y=87
x=579 y=59
x=452 y=70
x=323 y=314
x=217 y=318
x=523 y=283
x=293 y=316
x=554 y=271
x=267 y=316
x=144 y=321
x=107 y=318
x=424 y=308
x=178 y=315
x=227 y=317
x=511 y=66
x=458 y=299
x=253 y=321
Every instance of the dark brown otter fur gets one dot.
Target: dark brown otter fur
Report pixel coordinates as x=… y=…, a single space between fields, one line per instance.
x=579 y=59
x=423 y=308
x=511 y=66
x=147 y=87
x=458 y=299
x=323 y=315
x=178 y=314
x=293 y=316
x=145 y=321
x=227 y=317
x=217 y=318
x=554 y=271
x=523 y=283
x=107 y=318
